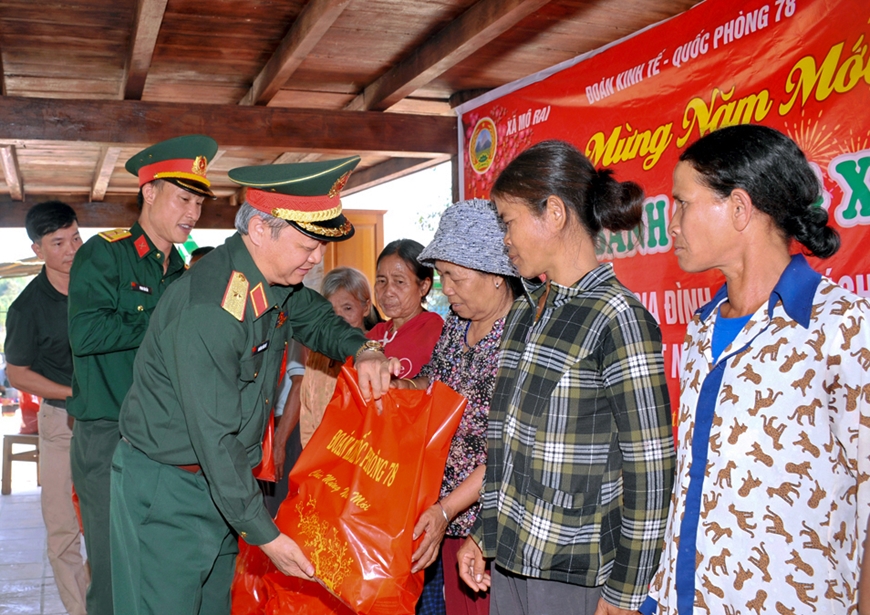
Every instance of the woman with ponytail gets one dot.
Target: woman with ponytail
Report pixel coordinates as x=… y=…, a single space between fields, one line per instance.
x=580 y=465
x=771 y=498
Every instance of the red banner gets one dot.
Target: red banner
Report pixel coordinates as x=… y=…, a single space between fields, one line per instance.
x=800 y=66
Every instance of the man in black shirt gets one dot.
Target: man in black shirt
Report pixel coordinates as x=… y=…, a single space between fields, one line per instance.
x=39 y=361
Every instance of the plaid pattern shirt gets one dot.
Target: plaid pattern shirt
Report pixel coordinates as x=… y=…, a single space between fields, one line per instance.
x=581 y=452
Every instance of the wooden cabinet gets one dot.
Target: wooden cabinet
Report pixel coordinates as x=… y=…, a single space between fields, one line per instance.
x=360 y=251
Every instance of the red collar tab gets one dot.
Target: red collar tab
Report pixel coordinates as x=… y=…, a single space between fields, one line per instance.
x=142 y=247
x=258 y=300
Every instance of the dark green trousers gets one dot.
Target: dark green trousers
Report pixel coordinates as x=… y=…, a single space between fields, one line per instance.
x=172 y=551
x=91 y=449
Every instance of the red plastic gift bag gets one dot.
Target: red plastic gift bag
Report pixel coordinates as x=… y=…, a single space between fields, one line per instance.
x=266 y=469
x=248 y=593
x=356 y=493
x=29 y=405
x=259 y=589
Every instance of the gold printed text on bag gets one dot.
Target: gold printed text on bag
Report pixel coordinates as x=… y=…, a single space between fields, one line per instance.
x=329 y=553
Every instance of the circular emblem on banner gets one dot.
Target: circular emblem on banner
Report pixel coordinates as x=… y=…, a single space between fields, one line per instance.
x=481 y=146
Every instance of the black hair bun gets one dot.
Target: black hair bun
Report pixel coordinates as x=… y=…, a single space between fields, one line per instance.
x=615 y=206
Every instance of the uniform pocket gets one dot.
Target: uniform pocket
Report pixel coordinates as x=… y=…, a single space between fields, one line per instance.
x=152 y=494
x=249 y=369
x=131 y=299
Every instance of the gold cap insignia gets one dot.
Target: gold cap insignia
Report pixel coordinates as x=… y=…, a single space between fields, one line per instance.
x=200 y=165
x=338 y=185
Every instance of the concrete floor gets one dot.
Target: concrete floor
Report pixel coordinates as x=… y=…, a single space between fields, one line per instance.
x=26 y=580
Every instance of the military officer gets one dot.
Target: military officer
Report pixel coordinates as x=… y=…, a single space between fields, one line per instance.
x=204 y=381
x=115 y=282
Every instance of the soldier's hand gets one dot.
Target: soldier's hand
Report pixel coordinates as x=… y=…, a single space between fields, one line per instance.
x=288 y=557
x=375 y=371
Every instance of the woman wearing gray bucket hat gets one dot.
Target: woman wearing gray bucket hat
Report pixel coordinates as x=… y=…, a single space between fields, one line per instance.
x=480 y=283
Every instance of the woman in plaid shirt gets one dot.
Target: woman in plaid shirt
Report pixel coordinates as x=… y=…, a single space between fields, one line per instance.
x=581 y=453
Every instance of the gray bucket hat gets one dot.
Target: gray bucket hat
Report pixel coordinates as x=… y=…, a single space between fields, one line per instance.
x=471 y=235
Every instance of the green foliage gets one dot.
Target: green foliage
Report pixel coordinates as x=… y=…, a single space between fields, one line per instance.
x=428 y=221
x=431 y=216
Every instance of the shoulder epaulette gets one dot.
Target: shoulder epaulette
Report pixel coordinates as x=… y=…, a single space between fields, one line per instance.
x=116 y=235
x=236 y=295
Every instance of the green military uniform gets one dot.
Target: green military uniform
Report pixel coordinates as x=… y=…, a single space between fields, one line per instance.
x=112 y=293
x=193 y=423
x=115 y=282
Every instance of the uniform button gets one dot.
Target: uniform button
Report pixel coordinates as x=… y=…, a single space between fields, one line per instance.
x=140 y=308
x=267 y=402
x=243 y=534
x=256 y=374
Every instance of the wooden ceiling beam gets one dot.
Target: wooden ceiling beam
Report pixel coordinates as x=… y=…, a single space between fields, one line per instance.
x=232 y=126
x=9 y=161
x=217 y=156
x=288 y=157
x=476 y=27
x=146 y=27
x=388 y=171
x=103 y=173
x=2 y=77
x=115 y=211
x=310 y=26
x=238 y=197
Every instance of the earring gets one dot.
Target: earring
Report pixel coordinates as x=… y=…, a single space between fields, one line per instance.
x=498 y=284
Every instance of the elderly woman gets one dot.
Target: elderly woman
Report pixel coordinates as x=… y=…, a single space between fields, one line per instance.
x=580 y=466
x=349 y=293
x=310 y=386
x=480 y=283
x=771 y=503
x=401 y=286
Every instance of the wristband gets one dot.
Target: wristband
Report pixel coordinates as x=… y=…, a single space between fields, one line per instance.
x=411 y=382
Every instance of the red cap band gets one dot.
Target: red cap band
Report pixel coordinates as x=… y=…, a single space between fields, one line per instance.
x=295 y=208
x=181 y=168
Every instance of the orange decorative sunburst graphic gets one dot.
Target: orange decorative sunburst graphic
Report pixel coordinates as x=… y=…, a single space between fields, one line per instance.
x=818 y=143
x=856 y=143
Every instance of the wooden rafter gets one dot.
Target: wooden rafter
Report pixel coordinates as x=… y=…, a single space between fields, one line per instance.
x=238 y=197
x=146 y=27
x=9 y=161
x=472 y=30
x=388 y=171
x=2 y=77
x=288 y=157
x=313 y=22
x=114 y=211
x=120 y=122
x=217 y=156
x=103 y=173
